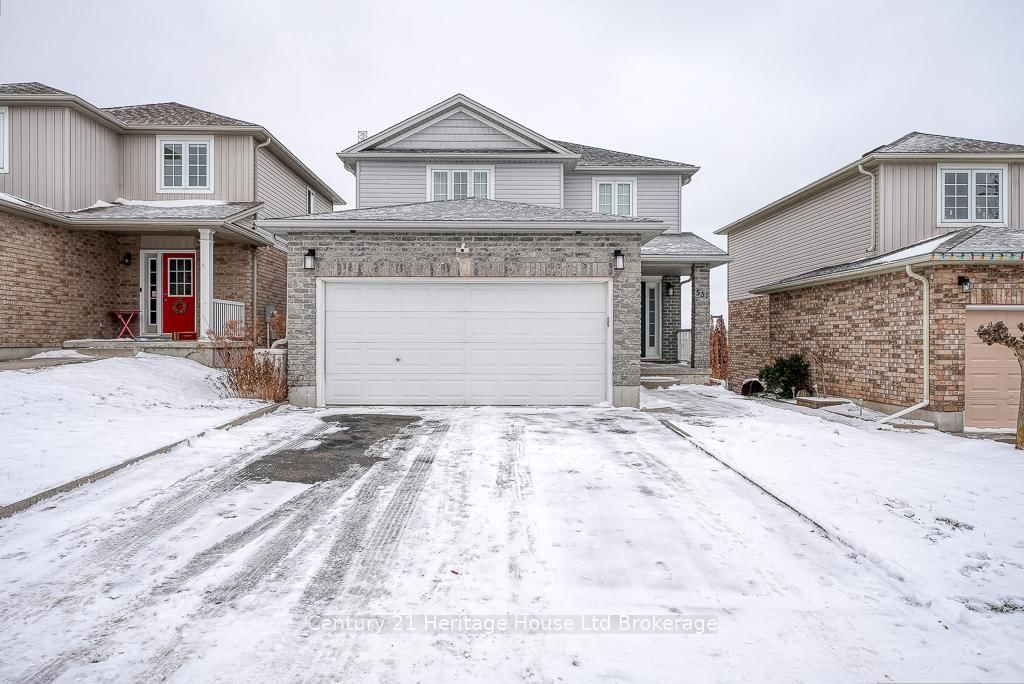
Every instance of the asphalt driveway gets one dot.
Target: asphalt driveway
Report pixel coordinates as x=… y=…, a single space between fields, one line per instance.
x=355 y=546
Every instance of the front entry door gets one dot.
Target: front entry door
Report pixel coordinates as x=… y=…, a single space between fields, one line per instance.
x=179 y=307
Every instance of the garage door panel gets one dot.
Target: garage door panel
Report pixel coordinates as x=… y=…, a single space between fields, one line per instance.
x=992 y=374
x=466 y=342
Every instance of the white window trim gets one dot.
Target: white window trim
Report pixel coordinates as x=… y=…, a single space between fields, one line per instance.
x=615 y=195
x=5 y=140
x=184 y=140
x=459 y=167
x=1004 y=172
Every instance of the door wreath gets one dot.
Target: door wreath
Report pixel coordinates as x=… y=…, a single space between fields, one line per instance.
x=179 y=307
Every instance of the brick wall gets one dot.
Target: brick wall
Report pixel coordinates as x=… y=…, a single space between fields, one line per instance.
x=389 y=254
x=271 y=285
x=863 y=336
x=749 y=339
x=232 y=276
x=55 y=284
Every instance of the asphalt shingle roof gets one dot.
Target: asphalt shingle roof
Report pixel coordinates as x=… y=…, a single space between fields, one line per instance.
x=474 y=209
x=598 y=156
x=927 y=143
x=171 y=114
x=680 y=244
x=30 y=88
x=128 y=212
x=976 y=241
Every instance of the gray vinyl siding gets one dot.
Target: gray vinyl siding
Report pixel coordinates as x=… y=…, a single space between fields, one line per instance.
x=232 y=169
x=657 y=196
x=909 y=204
x=381 y=183
x=282 y=191
x=38 y=156
x=830 y=227
x=529 y=182
x=94 y=172
x=458 y=132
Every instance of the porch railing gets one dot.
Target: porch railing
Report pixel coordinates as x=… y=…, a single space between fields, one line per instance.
x=225 y=310
x=684 y=345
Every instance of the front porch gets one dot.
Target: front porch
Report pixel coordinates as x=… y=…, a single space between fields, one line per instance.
x=205 y=351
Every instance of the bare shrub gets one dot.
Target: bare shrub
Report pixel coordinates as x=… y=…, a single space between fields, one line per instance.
x=250 y=374
x=719 y=350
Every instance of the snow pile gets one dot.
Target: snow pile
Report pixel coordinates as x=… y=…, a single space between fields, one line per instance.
x=67 y=421
x=61 y=354
x=170 y=203
x=943 y=513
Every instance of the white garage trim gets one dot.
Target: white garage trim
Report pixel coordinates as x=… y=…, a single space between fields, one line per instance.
x=322 y=282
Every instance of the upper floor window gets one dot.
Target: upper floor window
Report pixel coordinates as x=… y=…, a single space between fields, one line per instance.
x=310 y=200
x=4 y=138
x=186 y=164
x=460 y=183
x=615 y=196
x=972 y=195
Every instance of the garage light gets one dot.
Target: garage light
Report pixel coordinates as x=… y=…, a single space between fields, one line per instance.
x=965 y=283
x=309 y=261
x=669 y=289
x=620 y=260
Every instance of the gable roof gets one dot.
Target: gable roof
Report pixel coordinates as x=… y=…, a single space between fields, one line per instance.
x=928 y=143
x=913 y=145
x=600 y=157
x=29 y=88
x=682 y=245
x=976 y=243
x=171 y=114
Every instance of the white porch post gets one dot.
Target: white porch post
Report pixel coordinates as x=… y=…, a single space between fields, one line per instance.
x=205 y=281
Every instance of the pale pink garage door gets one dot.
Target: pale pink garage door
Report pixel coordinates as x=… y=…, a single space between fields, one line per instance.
x=993 y=374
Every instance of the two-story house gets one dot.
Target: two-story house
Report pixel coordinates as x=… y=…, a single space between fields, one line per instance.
x=138 y=220
x=485 y=263
x=881 y=273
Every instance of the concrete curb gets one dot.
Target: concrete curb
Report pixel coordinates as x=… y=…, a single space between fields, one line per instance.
x=18 y=506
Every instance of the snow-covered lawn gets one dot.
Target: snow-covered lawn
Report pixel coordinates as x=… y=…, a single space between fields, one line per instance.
x=202 y=564
x=61 y=423
x=942 y=514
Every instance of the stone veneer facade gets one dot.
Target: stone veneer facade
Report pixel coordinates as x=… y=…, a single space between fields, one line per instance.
x=863 y=336
x=506 y=254
x=58 y=284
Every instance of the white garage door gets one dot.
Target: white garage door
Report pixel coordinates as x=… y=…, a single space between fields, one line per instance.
x=428 y=341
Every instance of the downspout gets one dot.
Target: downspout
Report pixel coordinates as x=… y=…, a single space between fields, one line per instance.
x=871 y=220
x=926 y=332
x=255 y=186
x=255 y=164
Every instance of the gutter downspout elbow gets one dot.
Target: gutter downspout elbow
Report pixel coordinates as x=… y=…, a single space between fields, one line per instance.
x=871 y=220
x=926 y=332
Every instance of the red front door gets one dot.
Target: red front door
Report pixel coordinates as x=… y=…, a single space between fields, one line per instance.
x=179 y=294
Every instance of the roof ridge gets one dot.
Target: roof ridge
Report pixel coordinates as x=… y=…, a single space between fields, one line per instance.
x=957 y=237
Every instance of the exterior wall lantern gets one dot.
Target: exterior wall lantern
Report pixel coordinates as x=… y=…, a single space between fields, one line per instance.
x=670 y=289
x=965 y=284
x=620 y=260
x=127 y=259
x=309 y=260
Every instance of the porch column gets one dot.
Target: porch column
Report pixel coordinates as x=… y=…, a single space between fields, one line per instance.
x=205 y=281
x=700 y=312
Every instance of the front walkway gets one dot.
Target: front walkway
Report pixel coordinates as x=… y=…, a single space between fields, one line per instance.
x=244 y=555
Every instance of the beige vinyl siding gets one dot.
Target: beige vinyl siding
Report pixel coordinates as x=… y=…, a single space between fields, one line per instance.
x=828 y=228
x=95 y=169
x=1015 y=198
x=657 y=195
x=39 y=156
x=381 y=183
x=458 y=132
x=232 y=168
x=529 y=182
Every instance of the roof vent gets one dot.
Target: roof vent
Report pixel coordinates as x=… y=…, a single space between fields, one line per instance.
x=360 y=136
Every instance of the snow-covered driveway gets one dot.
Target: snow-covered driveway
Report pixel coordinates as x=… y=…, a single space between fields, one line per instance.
x=241 y=557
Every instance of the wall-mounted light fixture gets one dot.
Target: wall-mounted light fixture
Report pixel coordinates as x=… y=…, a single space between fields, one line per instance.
x=670 y=288
x=127 y=259
x=965 y=283
x=309 y=261
x=620 y=260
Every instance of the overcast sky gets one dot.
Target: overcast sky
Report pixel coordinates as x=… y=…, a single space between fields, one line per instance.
x=763 y=96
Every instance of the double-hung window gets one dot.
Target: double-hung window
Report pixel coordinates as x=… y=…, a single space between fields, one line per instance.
x=972 y=194
x=460 y=183
x=4 y=140
x=185 y=165
x=615 y=196
x=310 y=200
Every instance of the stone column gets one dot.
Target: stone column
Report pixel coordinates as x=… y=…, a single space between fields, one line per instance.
x=205 y=281
x=671 y=316
x=700 y=290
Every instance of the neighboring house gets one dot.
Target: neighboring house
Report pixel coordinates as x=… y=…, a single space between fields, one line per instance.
x=485 y=263
x=832 y=271
x=148 y=208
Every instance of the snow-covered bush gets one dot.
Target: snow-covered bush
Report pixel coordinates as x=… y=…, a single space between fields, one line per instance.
x=786 y=373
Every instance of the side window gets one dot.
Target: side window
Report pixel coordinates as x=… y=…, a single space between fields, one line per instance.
x=447 y=184
x=310 y=201
x=615 y=196
x=5 y=136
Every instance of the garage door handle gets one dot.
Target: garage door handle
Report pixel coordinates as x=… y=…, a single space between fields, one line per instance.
x=398 y=359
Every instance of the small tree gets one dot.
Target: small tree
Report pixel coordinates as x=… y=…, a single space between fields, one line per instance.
x=998 y=333
x=719 y=350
